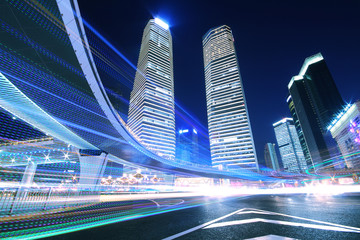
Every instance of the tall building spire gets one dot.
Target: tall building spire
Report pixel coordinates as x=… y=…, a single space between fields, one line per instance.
x=151 y=110
x=231 y=140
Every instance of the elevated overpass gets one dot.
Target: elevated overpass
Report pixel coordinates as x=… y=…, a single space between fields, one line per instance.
x=48 y=78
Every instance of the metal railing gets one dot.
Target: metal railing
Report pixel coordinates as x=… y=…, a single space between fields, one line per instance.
x=18 y=200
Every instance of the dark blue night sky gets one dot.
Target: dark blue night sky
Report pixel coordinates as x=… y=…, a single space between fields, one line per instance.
x=272 y=40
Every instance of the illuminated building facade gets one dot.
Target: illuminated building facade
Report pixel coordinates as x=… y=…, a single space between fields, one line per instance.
x=270 y=157
x=289 y=145
x=315 y=101
x=231 y=140
x=187 y=145
x=299 y=131
x=345 y=129
x=151 y=110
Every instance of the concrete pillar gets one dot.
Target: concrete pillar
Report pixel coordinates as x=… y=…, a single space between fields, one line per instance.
x=29 y=174
x=92 y=167
x=26 y=182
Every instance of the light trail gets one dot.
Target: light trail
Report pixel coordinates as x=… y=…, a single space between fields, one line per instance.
x=47 y=225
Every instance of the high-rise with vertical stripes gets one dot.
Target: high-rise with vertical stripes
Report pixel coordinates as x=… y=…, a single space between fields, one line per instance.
x=231 y=140
x=290 y=149
x=151 y=111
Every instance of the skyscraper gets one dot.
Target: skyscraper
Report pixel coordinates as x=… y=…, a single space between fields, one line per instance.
x=315 y=102
x=187 y=145
x=151 y=111
x=271 y=159
x=299 y=131
x=345 y=129
x=289 y=145
x=231 y=140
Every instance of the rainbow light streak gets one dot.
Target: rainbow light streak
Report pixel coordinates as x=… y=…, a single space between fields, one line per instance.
x=88 y=216
x=53 y=222
x=102 y=38
x=325 y=164
x=66 y=222
x=107 y=63
x=107 y=43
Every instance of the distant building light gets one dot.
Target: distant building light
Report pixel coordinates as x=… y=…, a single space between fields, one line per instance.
x=288 y=99
x=194 y=131
x=183 y=131
x=309 y=61
x=339 y=116
x=161 y=23
x=282 y=121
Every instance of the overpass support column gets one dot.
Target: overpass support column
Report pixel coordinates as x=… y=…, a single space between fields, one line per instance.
x=26 y=182
x=92 y=167
x=28 y=175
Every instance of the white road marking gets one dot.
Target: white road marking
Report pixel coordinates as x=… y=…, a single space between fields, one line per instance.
x=213 y=224
x=158 y=205
x=301 y=218
x=271 y=237
x=200 y=226
x=167 y=205
x=296 y=224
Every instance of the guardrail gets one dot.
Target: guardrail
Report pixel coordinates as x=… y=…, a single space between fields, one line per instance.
x=17 y=200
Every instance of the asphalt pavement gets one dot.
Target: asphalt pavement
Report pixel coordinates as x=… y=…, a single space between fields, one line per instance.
x=298 y=216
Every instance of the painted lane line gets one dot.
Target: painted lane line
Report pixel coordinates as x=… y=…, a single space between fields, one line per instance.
x=157 y=204
x=295 y=224
x=173 y=205
x=271 y=237
x=201 y=226
x=306 y=219
x=254 y=212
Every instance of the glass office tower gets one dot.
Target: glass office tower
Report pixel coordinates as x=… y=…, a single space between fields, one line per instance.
x=231 y=140
x=151 y=111
x=271 y=159
x=289 y=145
x=315 y=102
x=345 y=129
x=299 y=131
x=187 y=145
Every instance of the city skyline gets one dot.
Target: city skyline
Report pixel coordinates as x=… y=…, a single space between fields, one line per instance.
x=87 y=137
x=272 y=61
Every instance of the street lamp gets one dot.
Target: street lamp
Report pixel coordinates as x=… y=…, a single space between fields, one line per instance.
x=154 y=179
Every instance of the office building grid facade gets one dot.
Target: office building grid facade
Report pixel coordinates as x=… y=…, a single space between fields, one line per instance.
x=299 y=131
x=187 y=145
x=231 y=140
x=152 y=111
x=289 y=145
x=345 y=129
x=315 y=101
x=270 y=157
